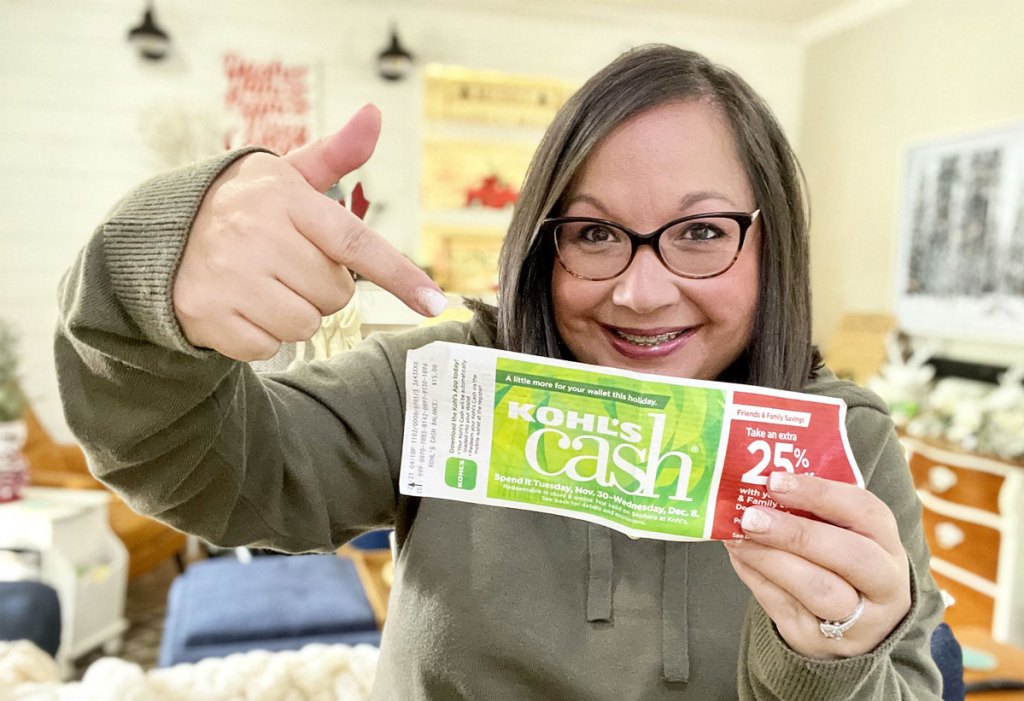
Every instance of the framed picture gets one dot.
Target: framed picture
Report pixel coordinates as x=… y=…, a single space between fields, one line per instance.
x=960 y=271
x=480 y=131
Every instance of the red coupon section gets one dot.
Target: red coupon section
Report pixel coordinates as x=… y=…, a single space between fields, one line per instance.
x=772 y=433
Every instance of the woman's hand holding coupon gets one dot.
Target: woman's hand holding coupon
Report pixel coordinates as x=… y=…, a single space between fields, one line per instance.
x=806 y=573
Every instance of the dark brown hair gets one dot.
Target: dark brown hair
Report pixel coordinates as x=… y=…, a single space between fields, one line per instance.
x=780 y=353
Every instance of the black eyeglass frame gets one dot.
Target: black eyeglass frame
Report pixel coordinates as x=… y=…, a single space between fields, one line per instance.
x=652 y=239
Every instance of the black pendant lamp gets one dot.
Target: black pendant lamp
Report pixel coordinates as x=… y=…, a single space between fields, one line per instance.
x=148 y=38
x=394 y=62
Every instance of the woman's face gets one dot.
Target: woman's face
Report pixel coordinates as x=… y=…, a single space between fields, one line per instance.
x=671 y=161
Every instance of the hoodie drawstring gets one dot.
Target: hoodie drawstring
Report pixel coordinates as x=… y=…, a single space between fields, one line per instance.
x=599 y=587
x=674 y=649
x=674 y=634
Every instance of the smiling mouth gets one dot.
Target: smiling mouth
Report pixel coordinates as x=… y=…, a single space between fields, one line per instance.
x=648 y=340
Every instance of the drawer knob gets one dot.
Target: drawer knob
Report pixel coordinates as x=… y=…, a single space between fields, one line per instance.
x=948 y=535
x=941 y=478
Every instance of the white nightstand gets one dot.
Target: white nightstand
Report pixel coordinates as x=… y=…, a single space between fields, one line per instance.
x=80 y=557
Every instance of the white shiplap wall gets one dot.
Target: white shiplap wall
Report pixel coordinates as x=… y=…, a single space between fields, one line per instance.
x=72 y=94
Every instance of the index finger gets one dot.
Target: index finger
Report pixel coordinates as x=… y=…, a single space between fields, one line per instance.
x=845 y=505
x=346 y=239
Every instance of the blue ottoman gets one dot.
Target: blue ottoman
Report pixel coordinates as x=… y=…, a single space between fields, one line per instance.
x=221 y=606
x=30 y=611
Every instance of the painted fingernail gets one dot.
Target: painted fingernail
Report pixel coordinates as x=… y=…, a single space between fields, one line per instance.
x=755 y=521
x=432 y=300
x=781 y=482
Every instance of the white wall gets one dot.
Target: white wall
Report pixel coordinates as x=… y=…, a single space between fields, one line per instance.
x=929 y=68
x=73 y=92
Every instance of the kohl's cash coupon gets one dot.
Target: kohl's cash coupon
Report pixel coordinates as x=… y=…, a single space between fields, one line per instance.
x=646 y=455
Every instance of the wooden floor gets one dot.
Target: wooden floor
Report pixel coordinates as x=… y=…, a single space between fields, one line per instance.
x=1010 y=663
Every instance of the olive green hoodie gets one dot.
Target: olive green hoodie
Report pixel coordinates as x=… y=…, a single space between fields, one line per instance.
x=488 y=603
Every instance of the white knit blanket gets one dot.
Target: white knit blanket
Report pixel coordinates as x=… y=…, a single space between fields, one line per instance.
x=315 y=673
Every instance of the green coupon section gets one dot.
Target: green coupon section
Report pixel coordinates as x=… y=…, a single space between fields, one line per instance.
x=611 y=449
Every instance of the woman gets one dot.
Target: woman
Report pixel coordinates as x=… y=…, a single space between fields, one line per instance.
x=241 y=254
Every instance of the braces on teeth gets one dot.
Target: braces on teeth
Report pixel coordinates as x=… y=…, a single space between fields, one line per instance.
x=649 y=340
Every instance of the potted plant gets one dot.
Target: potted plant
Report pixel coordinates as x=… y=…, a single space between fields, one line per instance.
x=13 y=466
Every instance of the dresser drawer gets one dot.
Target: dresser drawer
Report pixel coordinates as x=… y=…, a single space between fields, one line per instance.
x=957 y=477
x=972 y=607
x=970 y=546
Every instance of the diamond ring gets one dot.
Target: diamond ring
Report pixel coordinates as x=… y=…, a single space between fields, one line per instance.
x=833 y=630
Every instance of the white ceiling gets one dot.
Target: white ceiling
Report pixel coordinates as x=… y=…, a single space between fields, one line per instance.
x=808 y=19
x=788 y=12
x=812 y=19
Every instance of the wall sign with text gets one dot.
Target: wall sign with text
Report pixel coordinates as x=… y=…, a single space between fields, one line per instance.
x=269 y=103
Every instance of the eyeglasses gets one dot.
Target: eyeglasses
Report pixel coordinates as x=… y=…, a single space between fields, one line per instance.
x=697 y=246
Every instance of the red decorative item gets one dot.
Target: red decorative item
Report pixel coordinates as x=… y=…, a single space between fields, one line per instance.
x=360 y=205
x=491 y=193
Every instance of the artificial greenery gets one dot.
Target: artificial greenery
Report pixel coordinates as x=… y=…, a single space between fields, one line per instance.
x=12 y=402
